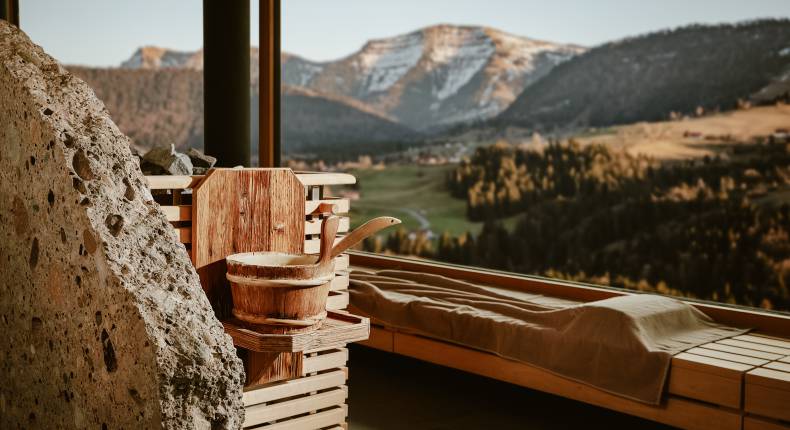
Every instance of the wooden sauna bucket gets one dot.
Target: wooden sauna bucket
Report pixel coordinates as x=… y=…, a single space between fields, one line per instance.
x=278 y=293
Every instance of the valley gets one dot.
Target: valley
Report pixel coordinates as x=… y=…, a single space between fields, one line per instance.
x=422 y=193
x=691 y=137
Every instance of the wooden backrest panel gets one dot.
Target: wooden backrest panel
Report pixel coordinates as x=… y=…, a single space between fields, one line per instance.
x=243 y=210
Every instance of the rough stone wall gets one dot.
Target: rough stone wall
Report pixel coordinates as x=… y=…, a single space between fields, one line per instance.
x=104 y=323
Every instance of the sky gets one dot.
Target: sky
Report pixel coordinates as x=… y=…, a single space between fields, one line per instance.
x=106 y=32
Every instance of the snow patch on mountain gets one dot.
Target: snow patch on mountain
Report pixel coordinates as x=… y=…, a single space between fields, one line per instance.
x=485 y=98
x=461 y=55
x=307 y=74
x=383 y=62
x=520 y=60
x=298 y=71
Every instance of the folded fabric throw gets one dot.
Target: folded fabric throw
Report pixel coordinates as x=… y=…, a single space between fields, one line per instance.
x=623 y=345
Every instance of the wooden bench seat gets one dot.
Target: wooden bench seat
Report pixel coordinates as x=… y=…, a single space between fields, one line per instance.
x=737 y=383
x=767 y=387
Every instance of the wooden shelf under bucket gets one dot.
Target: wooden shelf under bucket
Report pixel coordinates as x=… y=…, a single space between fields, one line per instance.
x=339 y=329
x=279 y=357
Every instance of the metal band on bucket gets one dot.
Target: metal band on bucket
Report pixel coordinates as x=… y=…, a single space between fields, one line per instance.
x=258 y=319
x=258 y=282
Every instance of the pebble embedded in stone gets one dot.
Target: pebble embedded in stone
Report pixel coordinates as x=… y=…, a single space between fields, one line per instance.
x=89 y=241
x=129 y=194
x=82 y=165
x=34 y=254
x=114 y=223
x=19 y=213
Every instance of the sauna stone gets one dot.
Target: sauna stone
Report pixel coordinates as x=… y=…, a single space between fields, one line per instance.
x=200 y=161
x=166 y=160
x=104 y=323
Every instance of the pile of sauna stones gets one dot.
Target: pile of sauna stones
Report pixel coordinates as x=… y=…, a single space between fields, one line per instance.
x=168 y=161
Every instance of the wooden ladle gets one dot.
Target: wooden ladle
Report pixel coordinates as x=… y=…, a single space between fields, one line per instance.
x=361 y=233
x=301 y=269
x=328 y=231
x=328 y=253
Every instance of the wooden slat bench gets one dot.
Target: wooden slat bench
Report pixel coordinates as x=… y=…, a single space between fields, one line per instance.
x=767 y=391
x=741 y=382
x=707 y=388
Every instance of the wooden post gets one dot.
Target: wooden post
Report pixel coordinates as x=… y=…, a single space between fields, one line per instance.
x=226 y=81
x=9 y=11
x=269 y=97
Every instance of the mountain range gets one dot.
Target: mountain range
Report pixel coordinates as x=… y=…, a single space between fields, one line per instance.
x=395 y=91
x=434 y=77
x=427 y=79
x=388 y=92
x=648 y=77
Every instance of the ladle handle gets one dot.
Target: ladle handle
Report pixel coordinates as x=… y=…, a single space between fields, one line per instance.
x=328 y=232
x=325 y=208
x=362 y=232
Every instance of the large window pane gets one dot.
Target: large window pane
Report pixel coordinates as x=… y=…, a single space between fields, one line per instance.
x=629 y=145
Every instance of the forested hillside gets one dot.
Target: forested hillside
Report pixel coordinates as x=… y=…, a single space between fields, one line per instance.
x=645 y=78
x=332 y=129
x=152 y=107
x=157 y=107
x=715 y=228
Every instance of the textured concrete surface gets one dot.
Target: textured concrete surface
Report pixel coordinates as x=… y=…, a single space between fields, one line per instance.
x=104 y=322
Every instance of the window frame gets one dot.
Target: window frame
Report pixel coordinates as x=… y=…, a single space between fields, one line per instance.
x=269 y=98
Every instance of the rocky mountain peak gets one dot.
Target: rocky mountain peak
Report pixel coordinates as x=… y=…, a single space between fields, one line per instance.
x=430 y=78
x=436 y=76
x=155 y=57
